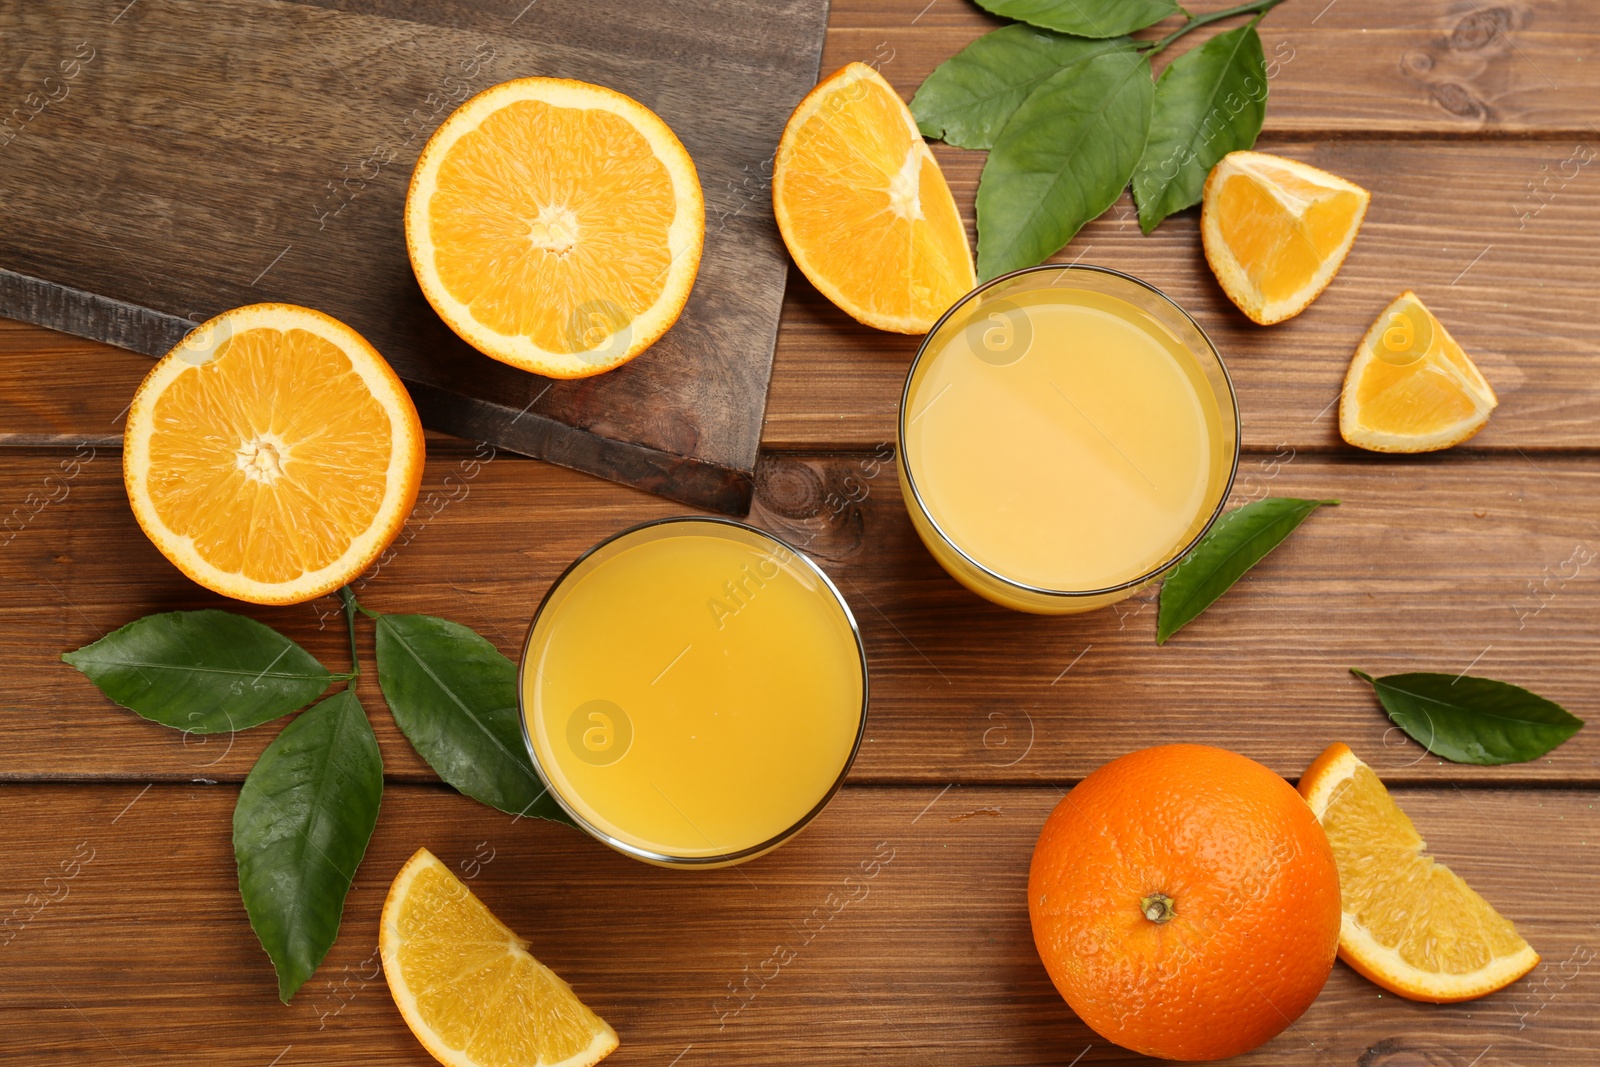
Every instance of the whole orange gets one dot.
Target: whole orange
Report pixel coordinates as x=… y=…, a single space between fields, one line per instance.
x=1185 y=902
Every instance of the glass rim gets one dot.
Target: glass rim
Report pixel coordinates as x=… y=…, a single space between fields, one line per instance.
x=1011 y=583
x=650 y=855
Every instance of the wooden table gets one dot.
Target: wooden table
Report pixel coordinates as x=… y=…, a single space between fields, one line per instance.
x=1467 y=122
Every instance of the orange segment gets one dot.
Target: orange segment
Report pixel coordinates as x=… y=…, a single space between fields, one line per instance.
x=1409 y=923
x=555 y=225
x=864 y=208
x=1276 y=231
x=466 y=985
x=272 y=455
x=1410 y=387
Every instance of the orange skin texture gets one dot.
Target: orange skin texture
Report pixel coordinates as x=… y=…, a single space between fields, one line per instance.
x=1255 y=899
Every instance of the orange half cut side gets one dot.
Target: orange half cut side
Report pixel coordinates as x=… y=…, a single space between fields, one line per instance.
x=272 y=455
x=555 y=225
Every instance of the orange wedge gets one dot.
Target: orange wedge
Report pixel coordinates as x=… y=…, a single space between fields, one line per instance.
x=555 y=225
x=1410 y=924
x=864 y=208
x=272 y=455
x=1276 y=231
x=1410 y=387
x=466 y=985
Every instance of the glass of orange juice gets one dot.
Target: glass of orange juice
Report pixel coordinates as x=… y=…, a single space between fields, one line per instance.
x=693 y=691
x=1066 y=434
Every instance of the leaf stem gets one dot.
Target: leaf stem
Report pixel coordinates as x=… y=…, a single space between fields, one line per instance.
x=1256 y=7
x=350 y=609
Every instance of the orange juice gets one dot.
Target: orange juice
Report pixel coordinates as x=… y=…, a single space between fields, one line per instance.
x=693 y=691
x=1066 y=434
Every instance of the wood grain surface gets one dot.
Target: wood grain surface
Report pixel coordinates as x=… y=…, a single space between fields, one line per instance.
x=903 y=909
x=1428 y=564
x=190 y=157
x=1456 y=68
x=1511 y=278
x=1459 y=115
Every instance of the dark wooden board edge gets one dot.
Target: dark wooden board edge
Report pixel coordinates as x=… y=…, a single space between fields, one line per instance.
x=85 y=314
x=725 y=489
x=154 y=333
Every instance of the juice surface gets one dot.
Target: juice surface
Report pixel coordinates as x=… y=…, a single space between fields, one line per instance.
x=694 y=694
x=1083 y=453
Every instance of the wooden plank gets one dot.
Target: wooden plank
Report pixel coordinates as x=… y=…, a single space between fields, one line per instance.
x=1507 y=270
x=179 y=159
x=1448 y=564
x=902 y=908
x=1465 y=119
x=63 y=388
x=1360 y=67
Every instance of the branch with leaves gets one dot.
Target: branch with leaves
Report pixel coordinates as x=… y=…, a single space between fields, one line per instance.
x=310 y=803
x=1063 y=101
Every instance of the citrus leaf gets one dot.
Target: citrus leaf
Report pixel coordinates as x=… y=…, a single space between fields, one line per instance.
x=968 y=98
x=205 y=672
x=454 y=696
x=1473 y=720
x=1062 y=159
x=1210 y=101
x=1085 y=18
x=300 y=828
x=1238 y=541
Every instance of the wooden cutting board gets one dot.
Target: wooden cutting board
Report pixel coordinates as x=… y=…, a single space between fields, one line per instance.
x=165 y=160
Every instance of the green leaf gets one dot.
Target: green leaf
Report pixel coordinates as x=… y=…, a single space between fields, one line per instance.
x=205 y=672
x=968 y=98
x=454 y=696
x=300 y=828
x=1473 y=720
x=1085 y=18
x=1062 y=159
x=1238 y=541
x=1209 y=102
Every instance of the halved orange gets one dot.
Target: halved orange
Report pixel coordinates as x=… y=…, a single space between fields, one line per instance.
x=1276 y=231
x=1409 y=923
x=1410 y=387
x=466 y=985
x=555 y=225
x=864 y=208
x=272 y=455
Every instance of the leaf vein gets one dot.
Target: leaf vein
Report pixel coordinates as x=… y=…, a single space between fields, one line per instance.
x=447 y=691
